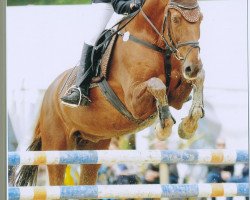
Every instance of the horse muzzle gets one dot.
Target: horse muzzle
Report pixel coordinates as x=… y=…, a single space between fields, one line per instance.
x=191 y=70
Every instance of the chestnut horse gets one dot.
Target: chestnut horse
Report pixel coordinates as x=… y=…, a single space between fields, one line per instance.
x=138 y=77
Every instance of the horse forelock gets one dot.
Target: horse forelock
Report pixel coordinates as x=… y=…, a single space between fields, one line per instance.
x=189 y=9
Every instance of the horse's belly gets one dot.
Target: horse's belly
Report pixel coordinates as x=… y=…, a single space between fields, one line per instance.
x=105 y=127
x=98 y=121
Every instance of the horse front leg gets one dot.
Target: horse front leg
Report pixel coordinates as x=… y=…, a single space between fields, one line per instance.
x=189 y=124
x=158 y=89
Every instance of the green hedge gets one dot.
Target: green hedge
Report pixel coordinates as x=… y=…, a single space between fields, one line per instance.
x=45 y=2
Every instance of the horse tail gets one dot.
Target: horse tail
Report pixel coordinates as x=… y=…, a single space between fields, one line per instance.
x=28 y=174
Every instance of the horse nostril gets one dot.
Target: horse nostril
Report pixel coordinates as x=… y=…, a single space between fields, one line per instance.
x=188 y=70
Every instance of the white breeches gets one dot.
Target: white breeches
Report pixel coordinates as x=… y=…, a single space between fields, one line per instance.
x=100 y=16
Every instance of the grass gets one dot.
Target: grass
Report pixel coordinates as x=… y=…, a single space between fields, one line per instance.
x=45 y=2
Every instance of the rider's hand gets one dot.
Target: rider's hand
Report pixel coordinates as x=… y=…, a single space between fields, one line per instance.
x=134 y=6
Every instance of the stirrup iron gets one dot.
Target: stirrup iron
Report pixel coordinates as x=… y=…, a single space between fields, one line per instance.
x=80 y=97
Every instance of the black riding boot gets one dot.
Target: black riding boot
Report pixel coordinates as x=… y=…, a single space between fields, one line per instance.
x=78 y=94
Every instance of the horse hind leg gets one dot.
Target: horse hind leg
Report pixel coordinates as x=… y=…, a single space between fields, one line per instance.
x=56 y=174
x=158 y=89
x=89 y=173
x=55 y=140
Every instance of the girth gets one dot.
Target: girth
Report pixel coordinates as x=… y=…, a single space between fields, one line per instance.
x=110 y=95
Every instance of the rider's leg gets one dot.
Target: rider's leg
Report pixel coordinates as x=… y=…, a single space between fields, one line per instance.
x=101 y=14
x=78 y=94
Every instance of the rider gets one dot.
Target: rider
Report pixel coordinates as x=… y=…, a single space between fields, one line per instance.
x=102 y=12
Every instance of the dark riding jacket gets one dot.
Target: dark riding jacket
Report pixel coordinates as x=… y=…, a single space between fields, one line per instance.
x=120 y=6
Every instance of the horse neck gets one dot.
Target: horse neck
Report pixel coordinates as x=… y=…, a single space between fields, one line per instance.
x=154 y=9
x=154 y=6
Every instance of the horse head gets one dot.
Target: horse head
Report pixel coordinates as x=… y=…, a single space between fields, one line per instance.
x=181 y=29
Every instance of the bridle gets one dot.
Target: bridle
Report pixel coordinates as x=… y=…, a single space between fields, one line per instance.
x=171 y=47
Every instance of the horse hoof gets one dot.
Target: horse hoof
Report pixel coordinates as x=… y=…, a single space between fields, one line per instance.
x=162 y=134
x=185 y=131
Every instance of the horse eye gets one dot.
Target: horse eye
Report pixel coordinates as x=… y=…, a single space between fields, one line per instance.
x=176 y=19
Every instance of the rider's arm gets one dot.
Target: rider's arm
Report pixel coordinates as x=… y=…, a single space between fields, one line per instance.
x=123 y=7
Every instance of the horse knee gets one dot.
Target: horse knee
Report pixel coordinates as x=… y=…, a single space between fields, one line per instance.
x=78 y=142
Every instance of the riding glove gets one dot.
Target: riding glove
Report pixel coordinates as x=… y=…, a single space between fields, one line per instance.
x=125 y=7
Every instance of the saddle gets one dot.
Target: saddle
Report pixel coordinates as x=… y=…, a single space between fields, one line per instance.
x=101 y=56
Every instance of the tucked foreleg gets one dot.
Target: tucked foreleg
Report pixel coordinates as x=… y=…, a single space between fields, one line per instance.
x=141 y=99
x=189 y=124
x=158 y=89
